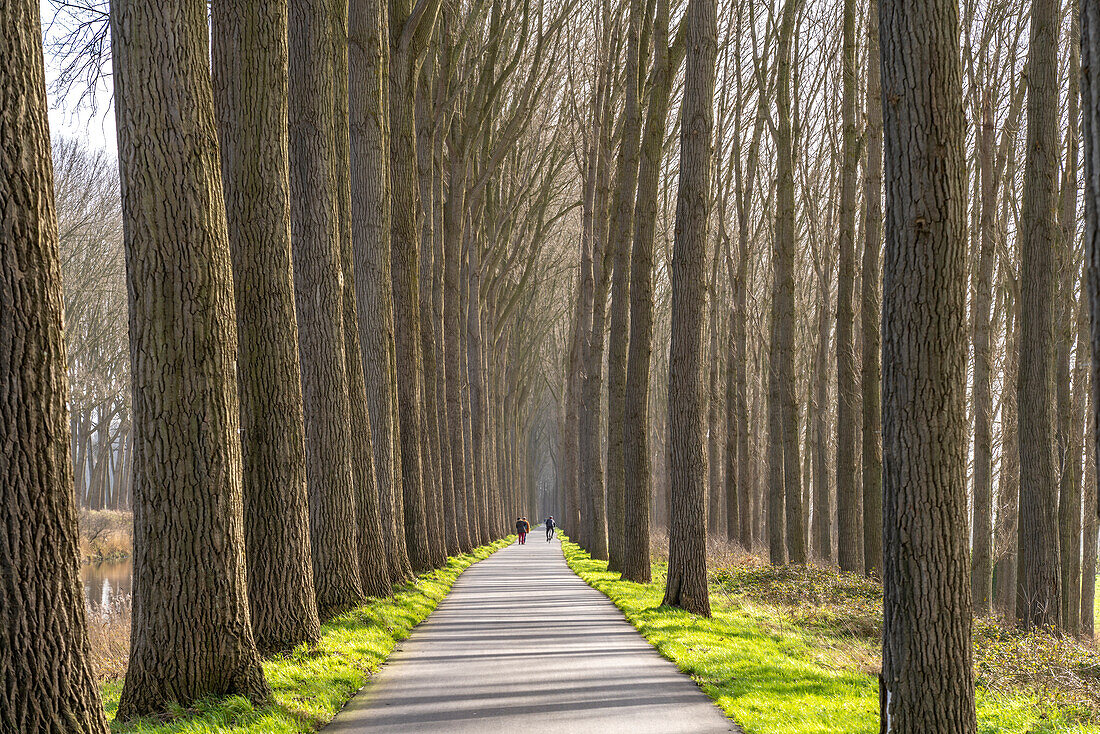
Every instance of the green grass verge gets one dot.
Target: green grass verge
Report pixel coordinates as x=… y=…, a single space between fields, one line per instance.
x=311 y=684
x=773 y=677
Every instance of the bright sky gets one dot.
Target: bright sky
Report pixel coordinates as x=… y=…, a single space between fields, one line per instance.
x=72 y=120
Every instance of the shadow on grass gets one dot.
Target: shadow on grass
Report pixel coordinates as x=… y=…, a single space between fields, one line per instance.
x=311 y=684
x=774 y=676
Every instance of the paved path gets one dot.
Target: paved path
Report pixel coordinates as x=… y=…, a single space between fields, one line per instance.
x=521 y=643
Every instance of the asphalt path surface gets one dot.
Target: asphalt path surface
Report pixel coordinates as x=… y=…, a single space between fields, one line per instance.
x=521 y=643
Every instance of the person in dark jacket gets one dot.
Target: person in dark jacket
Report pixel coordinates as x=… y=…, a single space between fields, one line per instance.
x=550 y=525
x=522 y=528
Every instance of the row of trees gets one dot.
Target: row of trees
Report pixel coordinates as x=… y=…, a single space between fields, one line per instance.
x=929 y=428
x=793 y=285
x=338 y=223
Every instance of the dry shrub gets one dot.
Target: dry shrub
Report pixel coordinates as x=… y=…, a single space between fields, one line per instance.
x=105 y=535
x=1058 y=670
x=815 y=599
x=109 y=638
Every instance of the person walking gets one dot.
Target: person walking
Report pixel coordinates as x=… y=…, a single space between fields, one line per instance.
x=522 y=527
x=550 y=528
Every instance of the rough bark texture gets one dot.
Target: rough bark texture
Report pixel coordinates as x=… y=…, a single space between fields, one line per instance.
x=1038 y=584
x=686 y=586
x=848 y=389
x=784 y=466
x=927 y=682
x=981 y=581
x=319 y=297
x=1069 y=394
x=250 y=86
x=191 y=635
x=405 y=254
x=1008 y=485
x=374 y=568
x=621 y=237
x=452 y=348
x=432 y=471
x=871 y=314
x=638 y=484
x=370 y=196
x=1090 y=105
x=46 y=683
x=822 y=468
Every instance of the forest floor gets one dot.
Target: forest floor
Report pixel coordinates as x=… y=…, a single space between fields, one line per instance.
x=311 y=684
x=797 y=651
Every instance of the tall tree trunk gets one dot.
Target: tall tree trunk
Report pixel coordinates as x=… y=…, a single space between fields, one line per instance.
x=405 y=253
x=715 y=524
x=48 y=684
x=1008 y=483
x=191 y=635
x=823 y=472
x=637 y=462
x=250 y=93
x=1039 y=594
x=476 y=381
x=871 y=314
x=848 y=390
x=981 y=581
x=926 y=569
x=373 y=563
x=319 y=295
x=432 y=470
x=1068 y=409
x=784 y=474
x=454 y=497
x=1086 y=392
x=1090 y=98
x=621 y=237
x=368 y=52
x=686 y=586
x=452 y=345
x=1088 y=565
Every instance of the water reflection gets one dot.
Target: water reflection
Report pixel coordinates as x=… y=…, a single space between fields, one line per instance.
x=106 y=583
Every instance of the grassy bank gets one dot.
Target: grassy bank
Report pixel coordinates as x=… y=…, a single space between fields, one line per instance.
x=310 y=685
x=105 y=535
x=796 y=651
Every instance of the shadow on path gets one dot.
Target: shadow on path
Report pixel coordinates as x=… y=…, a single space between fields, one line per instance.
x=522 y=643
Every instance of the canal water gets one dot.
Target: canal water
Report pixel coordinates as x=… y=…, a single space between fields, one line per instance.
x=107 y=583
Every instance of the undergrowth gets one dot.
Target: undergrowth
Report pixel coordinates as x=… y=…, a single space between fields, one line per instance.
x=311 y=684
x=105 y=535
x=793 y=650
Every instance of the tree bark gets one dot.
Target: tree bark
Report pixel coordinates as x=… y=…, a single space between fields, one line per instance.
x=981 y=579
x=432 y=469
x=405 y=254
x=926 y=574
x=373 y=564
x=1068 y=411
x=1039 y=594
x=1008 y=484
x=1090 y=99
x=47 y=684
x=871 y=314
x=686 y=586
x=637 y=463
x=250 y=77
x=452 y=346
x=191 y=635
x=848 y=389
x=368 y=53
x=784 y=474
x=319 y=295
x=621 y=237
